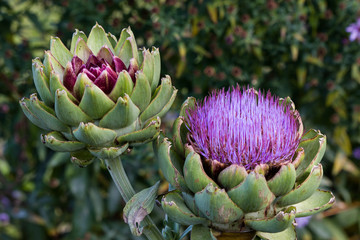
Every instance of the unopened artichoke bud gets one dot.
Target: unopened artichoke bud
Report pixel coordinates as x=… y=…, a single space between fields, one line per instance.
x=241 y=163
x=100 y=97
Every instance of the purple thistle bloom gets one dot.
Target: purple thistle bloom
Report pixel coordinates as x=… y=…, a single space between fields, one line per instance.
x=354 y=30
x=244 y=127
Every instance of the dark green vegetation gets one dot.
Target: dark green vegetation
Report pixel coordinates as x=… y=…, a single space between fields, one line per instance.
x=295 y=48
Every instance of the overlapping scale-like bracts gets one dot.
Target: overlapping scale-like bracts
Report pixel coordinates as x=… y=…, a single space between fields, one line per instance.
x=222 y=199
x=99 y=97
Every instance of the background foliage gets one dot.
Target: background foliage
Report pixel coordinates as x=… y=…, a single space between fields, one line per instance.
x=296 y=48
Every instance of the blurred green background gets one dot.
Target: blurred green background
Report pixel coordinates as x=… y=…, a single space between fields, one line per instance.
x=296 y=48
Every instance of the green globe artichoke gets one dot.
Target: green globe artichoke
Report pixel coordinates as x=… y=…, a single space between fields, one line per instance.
x=99 y=97
x=240 y=163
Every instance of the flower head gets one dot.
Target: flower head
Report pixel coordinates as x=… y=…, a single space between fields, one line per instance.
x=244 y=127
x=232 y=155
x=354 y=30
x=99 y=96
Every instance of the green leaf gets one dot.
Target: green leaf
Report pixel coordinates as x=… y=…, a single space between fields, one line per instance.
x=123 y=36
x=82 y=158
x=76 y=35
x=283 y=181
x=127 y=48
x=138 y=207
x=52 y=66
x=176 y=209
x=109 y=153
x=95 y=103
x=147 y=65
x=166 y=165
x=318 y=202
x=148 y=133
x=125 y=53
x=57 y=142
x=280 y=222
x=303 y=190
x=195 y=176
x=168 y=105
x=216 y=205
x=188 y=103
x=98 y=38
x=67 y=111
x=59 y=51
x=314 y=145
x=41 y=82
x=55 y=84
x=82 y=81
x=24 y=104
x=179 y=136
x=189 y=200
x=46 y=115
x=93 y=135
x=124 y=85
x=124 y=113
x=82 y=50
x=141 y=94
x=253 y=194
x=232 y=176
x=112 y=39
x=157 y=68
x=159 y=101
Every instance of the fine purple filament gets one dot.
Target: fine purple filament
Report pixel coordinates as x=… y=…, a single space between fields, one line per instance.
x=241 y=127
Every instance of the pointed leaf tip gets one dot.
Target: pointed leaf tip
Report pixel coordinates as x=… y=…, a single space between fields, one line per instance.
x=97 y=39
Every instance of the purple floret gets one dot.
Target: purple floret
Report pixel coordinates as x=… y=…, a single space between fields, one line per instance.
x=242 y=127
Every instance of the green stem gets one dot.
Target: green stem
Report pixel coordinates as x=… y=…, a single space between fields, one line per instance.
x=126 y=190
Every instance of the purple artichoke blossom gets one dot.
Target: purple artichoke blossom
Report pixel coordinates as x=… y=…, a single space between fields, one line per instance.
x=102 y=69
x=244 y=127
x=241 y=163
x=354 y=30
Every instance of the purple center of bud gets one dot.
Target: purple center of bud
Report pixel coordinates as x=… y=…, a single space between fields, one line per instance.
x=103 y=71
x=244 y=127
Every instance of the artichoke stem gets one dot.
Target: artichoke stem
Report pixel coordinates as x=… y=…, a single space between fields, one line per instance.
x=126 y=190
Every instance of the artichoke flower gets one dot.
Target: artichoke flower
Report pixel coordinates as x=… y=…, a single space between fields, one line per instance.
x=240 y=163
x=99 y=97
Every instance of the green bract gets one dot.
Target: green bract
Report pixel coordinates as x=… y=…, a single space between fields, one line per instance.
x=100 y=97
x=266 y=199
